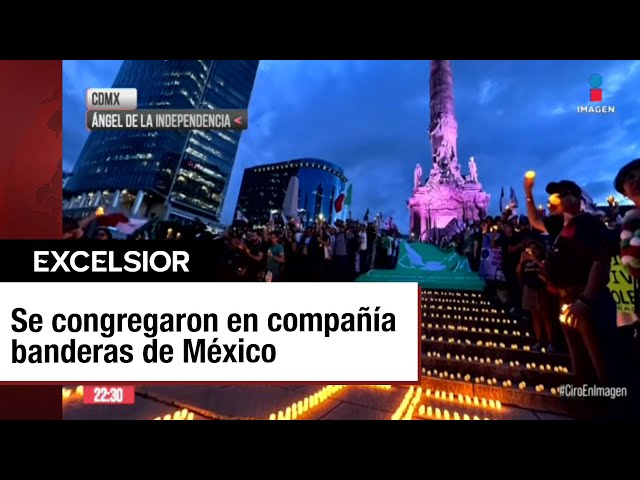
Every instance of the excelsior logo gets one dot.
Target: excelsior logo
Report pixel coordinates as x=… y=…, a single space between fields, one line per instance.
x=595 y=96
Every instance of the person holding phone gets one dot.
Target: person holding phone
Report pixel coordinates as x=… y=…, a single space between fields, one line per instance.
x=535 y=296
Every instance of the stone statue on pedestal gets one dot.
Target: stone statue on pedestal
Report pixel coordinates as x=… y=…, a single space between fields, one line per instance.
x=455 y=172
x=449 y=199
x=417 y=177
x=473 y=170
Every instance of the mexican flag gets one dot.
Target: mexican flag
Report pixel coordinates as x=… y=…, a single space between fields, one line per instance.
x=343 y=203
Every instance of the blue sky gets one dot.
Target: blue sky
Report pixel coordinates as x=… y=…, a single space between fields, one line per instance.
x=371 y=118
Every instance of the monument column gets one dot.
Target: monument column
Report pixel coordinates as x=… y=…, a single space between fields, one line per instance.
x=411 y=215
x=424 y=222
x=443 y=128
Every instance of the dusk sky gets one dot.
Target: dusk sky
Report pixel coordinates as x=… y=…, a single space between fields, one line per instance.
x=372 y=118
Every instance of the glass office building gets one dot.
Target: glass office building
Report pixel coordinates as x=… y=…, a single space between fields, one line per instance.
x=168 y=174
x=263 y=190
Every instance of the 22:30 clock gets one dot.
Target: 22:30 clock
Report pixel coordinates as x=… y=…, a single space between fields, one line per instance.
x=109 y=395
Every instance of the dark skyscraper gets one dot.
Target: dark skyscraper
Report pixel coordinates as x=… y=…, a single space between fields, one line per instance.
x=264 y=188
x=172 y=174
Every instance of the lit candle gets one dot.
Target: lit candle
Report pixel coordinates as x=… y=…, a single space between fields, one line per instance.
x=530 y=175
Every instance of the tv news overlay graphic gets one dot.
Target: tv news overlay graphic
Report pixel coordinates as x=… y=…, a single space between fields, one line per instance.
x=595 y=98
x=595 y=94
x=109 y=395
x=168 y=120
x=190 y=332
x=112 y=99
x=31 y=190
x=98 y=261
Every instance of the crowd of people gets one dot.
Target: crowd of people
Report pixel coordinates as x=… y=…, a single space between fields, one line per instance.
x=317 y=253
x=553 y=268
x=276 y=252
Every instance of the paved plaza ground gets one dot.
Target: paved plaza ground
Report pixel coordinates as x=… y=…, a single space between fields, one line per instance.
x=259 y=402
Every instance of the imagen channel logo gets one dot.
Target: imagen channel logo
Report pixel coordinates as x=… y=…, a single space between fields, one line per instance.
x=595 y=97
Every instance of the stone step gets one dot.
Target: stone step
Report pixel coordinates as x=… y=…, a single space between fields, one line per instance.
x=470 y=337
x=452 y=310
x=497 y=351
x=471 y=320
x=442 y=405
x=527 y=397
x=476 y=371
x=435 y=295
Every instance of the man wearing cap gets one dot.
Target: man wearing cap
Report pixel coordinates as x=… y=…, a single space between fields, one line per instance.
x=577 y=269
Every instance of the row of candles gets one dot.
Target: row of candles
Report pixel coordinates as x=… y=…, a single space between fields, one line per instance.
x=436 y=413
x=457 y=358
x=445 y=396
x=183 y=414
x=448 y=293
x=308 y=403
x=479 y=343
x=468 y=342
x=464 y=309
x=437 y=316
x=73 y=394
x=429 y=302
x=489 y=381
x=514 y=346
x=463 y=328
x=411 y=399
x=407 y=406
x=498 y=361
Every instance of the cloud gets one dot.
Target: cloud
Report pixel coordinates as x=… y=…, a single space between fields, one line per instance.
x=489 y=90
x=371 y=118
x=615 y=79
x=559 y=110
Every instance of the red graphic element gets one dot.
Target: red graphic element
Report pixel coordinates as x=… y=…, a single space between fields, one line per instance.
x=238 y=120
x=109 y=395
x=339 y=202
x=595 y=95
x=31 y=190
